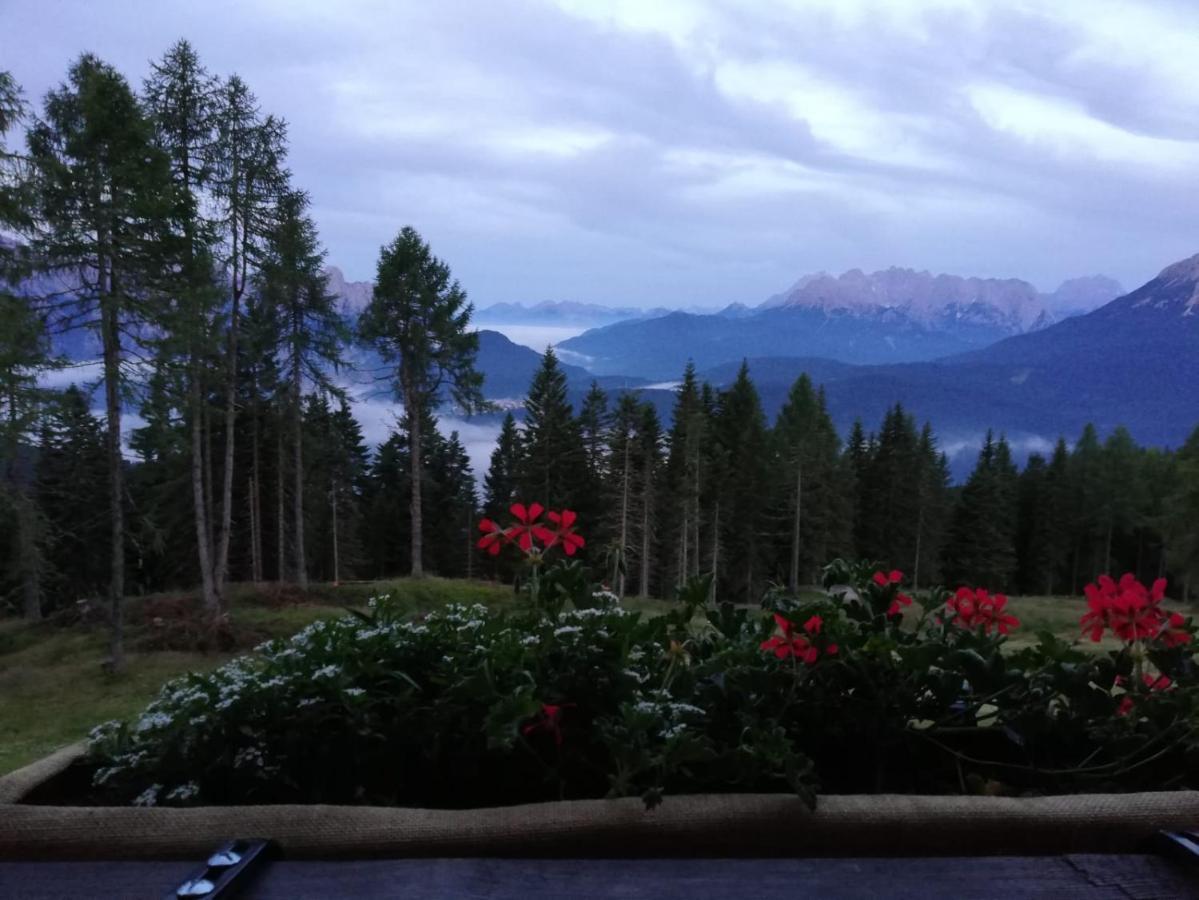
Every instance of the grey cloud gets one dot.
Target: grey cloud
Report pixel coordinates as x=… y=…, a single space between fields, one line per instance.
x=403 y=114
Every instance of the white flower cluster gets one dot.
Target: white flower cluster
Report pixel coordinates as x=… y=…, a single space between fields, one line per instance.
x=676 y=717
x=184 y=792
x=148 y=797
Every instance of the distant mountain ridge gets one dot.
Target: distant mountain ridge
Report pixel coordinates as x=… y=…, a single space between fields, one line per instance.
x=895 y=315
x=940 y=299
x=1133 y=362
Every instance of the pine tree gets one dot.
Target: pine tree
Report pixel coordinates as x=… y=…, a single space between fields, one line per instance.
x=806 y=447
x=71 y=491
x=890 y=492
x=1181 y=513
x=499 y=485
x=103 y=196
x=452 y=493
x=647 y=465
x=621 y=486
x=933 y=508
x=24 y=354
x=741 y=489
x=554 y=457
x=682 y=482
x=1034 y=557
x=857 y=457
x=981 y=547
x=418 y=321
x=1058 y=511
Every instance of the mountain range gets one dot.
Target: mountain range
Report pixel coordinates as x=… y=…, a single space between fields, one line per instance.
x=895 y=315
x=1133 y=362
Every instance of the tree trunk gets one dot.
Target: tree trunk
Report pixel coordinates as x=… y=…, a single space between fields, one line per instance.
x=643 y=588
x=414 y=455
x=298 y=475
x=333 y=510
x=111 y=338
x=919 y=540
x=715 y=544
x=1107 y=552
x=256 y=494
x=255 y=572
x=203 y=535
x=221 y=574
x=624 y=519
x=281 y=529
x=793 y=577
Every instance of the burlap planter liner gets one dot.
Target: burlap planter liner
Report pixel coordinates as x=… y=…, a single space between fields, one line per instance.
x=712 y=825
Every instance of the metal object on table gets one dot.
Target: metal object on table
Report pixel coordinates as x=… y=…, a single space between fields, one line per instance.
x=1180 y=845
x=226 y=871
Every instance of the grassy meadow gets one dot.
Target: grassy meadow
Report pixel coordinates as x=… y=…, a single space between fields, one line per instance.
x=53 y=687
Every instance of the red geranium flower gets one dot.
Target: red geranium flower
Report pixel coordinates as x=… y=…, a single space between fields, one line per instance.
x=527 y=528
x=494 y=537
x=976 y=608
x=883 y=579
x=548 y=721
x=1131 y=611
x=797 y=645
x=564 y=532
x=901 y=600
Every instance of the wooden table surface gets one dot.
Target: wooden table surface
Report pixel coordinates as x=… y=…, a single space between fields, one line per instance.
x=1051 y=877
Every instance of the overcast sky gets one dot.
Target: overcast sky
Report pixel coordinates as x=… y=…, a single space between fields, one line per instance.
x=654 y=152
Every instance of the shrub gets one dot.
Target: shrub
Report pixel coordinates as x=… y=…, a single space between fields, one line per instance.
x=569 y=695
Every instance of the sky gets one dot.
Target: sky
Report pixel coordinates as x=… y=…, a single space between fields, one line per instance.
x=676 y=154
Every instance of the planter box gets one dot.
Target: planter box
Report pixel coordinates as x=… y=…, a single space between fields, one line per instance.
x=712 y=825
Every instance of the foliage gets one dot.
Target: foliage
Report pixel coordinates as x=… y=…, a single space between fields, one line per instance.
x=571 y=695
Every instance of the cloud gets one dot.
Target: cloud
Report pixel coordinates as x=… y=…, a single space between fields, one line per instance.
x=674 y=153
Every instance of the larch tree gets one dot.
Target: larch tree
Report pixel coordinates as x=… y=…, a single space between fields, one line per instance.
x=293 y=280
x=418 y=321
x=181 y=101
x=103 y=195
x=249 y=178
x=24 y=353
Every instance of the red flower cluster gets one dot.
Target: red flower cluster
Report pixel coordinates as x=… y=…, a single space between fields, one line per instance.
x=885 y=580
x=976 y=608
x=548 y=721
x=800 y=646
x=528 y=530
x=1153 y=683
x=1132 y=612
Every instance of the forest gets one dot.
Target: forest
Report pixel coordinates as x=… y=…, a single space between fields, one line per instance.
x=163 y=226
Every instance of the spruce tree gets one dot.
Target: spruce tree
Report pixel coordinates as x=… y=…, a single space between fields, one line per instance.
x=806 y=447
x=554 y=457
x=648 y=467
x=933 y=508
x=981 y=547
x=620 y=489
x=682 y=482
x=500 y=483
x=72 y=495
x=742 y=486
